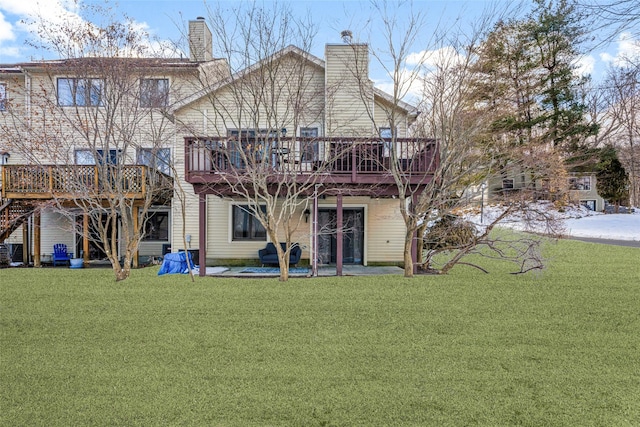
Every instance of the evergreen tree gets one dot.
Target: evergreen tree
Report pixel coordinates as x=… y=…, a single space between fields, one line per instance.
x=612 y=179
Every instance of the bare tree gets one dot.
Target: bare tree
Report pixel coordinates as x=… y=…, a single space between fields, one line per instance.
x=271 y=90
x=624 y=112
x=461 y=123
x=93 y=117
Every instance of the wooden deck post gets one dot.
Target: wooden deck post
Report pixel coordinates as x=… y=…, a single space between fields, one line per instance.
x=202 y=233
x=136 y=212
x=339 y=235
x=85 y=238
x=414 y=240
x=36 y=239
x=26 y=247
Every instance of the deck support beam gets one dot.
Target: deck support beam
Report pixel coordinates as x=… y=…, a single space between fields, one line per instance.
x=36 y=238
x=339 y=235
x=202 y=234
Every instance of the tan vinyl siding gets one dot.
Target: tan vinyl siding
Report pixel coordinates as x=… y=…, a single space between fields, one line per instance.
x=384 y=115
x=385 y=231
x=220 y=244
x=56 y=228
x=348 y=91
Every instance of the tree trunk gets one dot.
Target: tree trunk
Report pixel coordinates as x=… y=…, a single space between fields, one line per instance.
x=408 y=256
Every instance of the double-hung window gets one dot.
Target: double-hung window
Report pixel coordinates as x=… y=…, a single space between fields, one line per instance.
x=157 y=158
x=246 y=227
x=75 y=92
x=3 y=96
x=309 y=148
x=154 y=93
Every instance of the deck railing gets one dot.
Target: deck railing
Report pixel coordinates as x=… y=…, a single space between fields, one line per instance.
x=337 y=156
x=69 y=181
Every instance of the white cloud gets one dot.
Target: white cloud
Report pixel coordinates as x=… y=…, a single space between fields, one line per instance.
x=585 y=65
x=628 y=49
x=6 y=30
x=21 y=19
x=431 y=58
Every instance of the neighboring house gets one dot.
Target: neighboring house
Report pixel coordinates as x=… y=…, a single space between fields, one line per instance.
x=342 y=126
x=581 y=188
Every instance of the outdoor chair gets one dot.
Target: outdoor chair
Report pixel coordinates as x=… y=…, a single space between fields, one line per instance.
x=269 y=254
x=60 y=254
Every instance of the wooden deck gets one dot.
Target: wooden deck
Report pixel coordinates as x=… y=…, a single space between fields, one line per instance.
x=76 y=181
x=353 y=163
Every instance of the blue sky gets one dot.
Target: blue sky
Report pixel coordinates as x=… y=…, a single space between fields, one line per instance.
x=162 y=18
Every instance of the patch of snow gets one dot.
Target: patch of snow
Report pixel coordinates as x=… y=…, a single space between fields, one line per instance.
x=575 y=221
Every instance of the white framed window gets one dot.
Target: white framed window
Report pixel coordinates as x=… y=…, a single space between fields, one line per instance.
x=157 y=158
x=154 y=93
x=74 y=92
x=309 y=149
x=3 y=96
x=385 y=132
x=582 y=183
x=245 y=226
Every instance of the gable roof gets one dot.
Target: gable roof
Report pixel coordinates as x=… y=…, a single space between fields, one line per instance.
x=289 y=50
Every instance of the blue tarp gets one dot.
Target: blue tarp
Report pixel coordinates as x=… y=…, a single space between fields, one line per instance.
x=175 y=263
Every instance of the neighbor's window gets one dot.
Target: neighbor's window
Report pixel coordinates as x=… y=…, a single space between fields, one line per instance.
x=100 y=157
x=157 y=158
x=507 y=184
x=3 y=96
x=156 y=228
x=589 y=204
x=74 y=92
x=580 y=183
x=154 y=92
x=309 y=149
x=246 y=226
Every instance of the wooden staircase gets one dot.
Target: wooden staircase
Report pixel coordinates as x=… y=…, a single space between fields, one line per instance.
x=13 y=213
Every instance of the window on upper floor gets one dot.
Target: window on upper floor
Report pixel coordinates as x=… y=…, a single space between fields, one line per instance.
x=507 y=184
x=158 y=158
x=3 y=96
x=385 y=133
x=246 y=226
x=154 y=93
x=93 y=157
x=74 y=92
x=309 y=149
x=580 y=183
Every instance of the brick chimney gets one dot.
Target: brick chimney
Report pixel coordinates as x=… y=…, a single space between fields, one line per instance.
x=200 y=41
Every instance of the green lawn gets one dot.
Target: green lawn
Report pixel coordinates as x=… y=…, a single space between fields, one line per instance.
x=559 y=347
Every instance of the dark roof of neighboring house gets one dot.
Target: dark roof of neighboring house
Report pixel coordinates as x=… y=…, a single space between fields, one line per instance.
x=101 y=61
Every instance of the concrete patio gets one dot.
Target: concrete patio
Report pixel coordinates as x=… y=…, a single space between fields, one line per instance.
x=323 y=271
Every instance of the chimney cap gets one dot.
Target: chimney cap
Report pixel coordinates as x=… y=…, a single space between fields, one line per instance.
x=347 y=36
x=200 y=18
